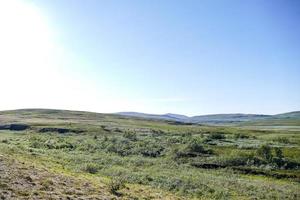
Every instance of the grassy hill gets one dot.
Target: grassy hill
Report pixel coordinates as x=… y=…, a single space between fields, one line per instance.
x=227 y=118
x=292 y=118
x=52 y=154
x=168 y=116
x=289 y=115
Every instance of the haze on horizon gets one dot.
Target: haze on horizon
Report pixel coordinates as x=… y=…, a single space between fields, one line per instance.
x=186 y=57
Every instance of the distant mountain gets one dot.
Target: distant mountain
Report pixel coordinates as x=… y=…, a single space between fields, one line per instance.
x=176 y=116
x=215 y=119
x=294 y=115
x=168 y=116
x=227 y=118
x=284 y=119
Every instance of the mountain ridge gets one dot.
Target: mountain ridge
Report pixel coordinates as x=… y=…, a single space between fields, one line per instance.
x=213 y=118
x=289 y=118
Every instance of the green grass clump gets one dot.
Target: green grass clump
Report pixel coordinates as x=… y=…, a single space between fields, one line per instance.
x=116 y=184
x=90 y=168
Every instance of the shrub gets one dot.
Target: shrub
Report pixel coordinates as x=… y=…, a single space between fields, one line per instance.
x=278 y=153
x=265 y=152
x=123 y=147
x=130 y=135
x=150 y=153
x=157 y=132
x=283 y=140
x=279 y=162
x=47 y=184
x=105 y=139
x=116 y=184
x=240 y=136
x=291 y=165
x=5 y=141
x=149 y=149
x=216 y=136
x=192 y=149
x=240 y=159
x=36 y=141
x=91 y=168
x=195 y=145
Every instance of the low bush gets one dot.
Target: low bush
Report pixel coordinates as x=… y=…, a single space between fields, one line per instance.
x=149 y=148
x=216 y=136
x=275 y=157
x=192 y=149
x=122 y=148
x=195 y=145
x=265 y=152
x=116 y=184
x=241 y=159
x=130 y=135
x=5 y=141
x=240 y=136
x=283 y=140
x=91 y=168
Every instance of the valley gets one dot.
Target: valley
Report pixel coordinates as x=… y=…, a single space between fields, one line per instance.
x=61 y=154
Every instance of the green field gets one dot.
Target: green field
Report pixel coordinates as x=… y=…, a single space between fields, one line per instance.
x=82 y=155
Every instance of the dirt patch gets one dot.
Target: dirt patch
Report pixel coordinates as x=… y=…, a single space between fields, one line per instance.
x=21 y=181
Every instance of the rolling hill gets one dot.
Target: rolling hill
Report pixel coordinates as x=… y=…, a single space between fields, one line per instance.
x=217 y=118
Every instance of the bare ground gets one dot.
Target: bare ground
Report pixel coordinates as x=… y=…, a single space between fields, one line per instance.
x=24 y=181
x=20 y=181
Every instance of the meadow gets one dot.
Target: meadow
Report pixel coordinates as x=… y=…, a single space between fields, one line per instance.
x=81 y=155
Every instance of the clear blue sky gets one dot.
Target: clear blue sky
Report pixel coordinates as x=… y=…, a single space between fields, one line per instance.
x=190 y=57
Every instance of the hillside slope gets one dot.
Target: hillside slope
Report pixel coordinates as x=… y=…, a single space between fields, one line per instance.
x=291 y=118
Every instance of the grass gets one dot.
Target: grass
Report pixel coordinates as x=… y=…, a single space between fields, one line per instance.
x=138 y=158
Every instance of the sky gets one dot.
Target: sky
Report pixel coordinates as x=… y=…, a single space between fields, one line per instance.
x=189 y=57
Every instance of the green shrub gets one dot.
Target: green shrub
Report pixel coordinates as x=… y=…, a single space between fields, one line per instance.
x=240 y=136
x=265 y=152
x=279 y=162
x=46 y=184
x=5 y=141
x=216 y=136
x=195 y=145
x=149 y=148
x=278 y=153
x=120 y=146
x=91 y=168
x=192 y=149
x=241 y=159
x=116 y=184
x=283 y=140
x=130 y=135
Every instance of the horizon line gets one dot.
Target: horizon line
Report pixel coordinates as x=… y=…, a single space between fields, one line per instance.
x=120 y=112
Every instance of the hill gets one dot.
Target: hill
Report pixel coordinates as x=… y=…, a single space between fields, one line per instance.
x=227 y=118
x=290 y=118
x=290 y=115
x=168 y=116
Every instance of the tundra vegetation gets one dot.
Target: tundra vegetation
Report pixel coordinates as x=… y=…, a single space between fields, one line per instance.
x=80 y=155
